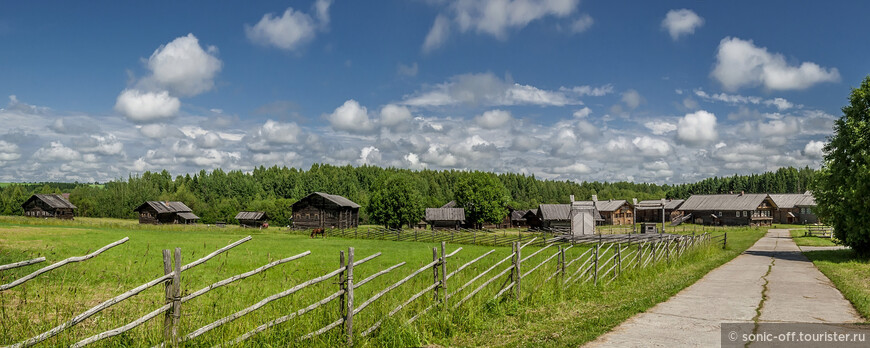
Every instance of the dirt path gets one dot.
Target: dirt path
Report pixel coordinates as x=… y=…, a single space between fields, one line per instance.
x=796 y=292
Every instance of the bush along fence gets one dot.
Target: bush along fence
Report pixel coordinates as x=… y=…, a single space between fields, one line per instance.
x=596 y=260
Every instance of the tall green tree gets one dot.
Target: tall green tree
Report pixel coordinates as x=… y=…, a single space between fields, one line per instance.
x=842 y=186
x=483 y=196
x=395 y=202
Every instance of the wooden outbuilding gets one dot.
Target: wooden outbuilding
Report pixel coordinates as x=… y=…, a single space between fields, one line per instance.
x=794 y=208
x=445 y=218
x=554 y=215
x=159 y=213
x=255 y=219
x=532 y=219
x=730 y=209
x=518 y=218
x=323 y=210
x=49 y=206
x=614 y=212
x=651 y=210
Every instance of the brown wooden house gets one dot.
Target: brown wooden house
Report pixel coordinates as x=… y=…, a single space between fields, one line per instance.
x=554 y=215
x=615 y=212
x=445 y=218
x=49 y=206
x=651 y=210
x=159 y=213
x=730 y=209
x=518 y=218
x=255 y=219
x=794 y=208
x=323 y=210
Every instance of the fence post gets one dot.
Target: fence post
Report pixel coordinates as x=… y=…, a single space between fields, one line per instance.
x=443 y=275
x=519 y=269
x=473 y=237
x=562 y=264
x=176 y=297
x=167 y=320
x=348 y=317
x=639 y=255
x=595 y=270
x=724 y=240
x=668 y=251
x=341 y=283
x=435 y=272
x=618 y=259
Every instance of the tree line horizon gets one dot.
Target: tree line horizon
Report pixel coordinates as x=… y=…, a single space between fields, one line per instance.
x=218 y=195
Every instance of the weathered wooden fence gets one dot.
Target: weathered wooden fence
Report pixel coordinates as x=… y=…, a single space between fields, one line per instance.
x=605 y=258
x=823 y=231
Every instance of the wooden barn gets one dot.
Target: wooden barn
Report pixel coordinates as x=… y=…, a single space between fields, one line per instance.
x=518 y=218
x=651 y=210
x=255 y=219
x=614 y=212
x=323 y=210
x=445 y=218
x=159 y=213
x=794 y=208
x=49 y=206
x=730 y=209
x=554 y=215
x=532 y=219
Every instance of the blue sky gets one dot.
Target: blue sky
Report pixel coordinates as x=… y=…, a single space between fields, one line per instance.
x=564 y=89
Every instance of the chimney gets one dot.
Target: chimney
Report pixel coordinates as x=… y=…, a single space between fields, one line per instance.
x=595 y=198
x=572 y=198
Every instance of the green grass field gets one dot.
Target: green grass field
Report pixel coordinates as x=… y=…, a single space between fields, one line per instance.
x=797 y=234
x=548 y=316
x=849 y=273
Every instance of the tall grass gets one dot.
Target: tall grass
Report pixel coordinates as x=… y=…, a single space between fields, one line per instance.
x=545 y=315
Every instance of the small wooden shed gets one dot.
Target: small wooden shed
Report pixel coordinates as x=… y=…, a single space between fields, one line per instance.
x=49 y=206
x=323 y=210
x=159 y=212
x=255 y=219
x=445 y=218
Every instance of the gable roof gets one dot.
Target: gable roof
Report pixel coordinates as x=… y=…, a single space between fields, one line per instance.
x=251 y=215
x=445 y=214
x=748 y=201
x=165 y=207
x=451 y=204
x=791 y=200
x=672 y=204
x=336 y=199
x=188 y=216
x=519 y=215
x=55 y=201
x=555 y=211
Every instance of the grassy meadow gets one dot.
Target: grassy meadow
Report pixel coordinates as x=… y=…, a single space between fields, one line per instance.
x=546 y=315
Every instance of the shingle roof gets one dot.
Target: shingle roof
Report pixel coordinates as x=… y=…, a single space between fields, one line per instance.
x=445 y=214
x=519 y=215
x=451 y=204
x=790 y=200
x=53 y=200
x=251 y=215
x=338 y=200
x=555 y=211
x=188 y=216
x=747 y=201
x=166 y=207
x=672 y=204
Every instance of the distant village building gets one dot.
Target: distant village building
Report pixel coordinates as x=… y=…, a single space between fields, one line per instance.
x=533 y=221
x=159 y=212
x=651 y=210
x=518 y=218
x=554 y=215
x=445 y=218
x=730 y=209
x=323 y=210
x=613 y=212
x=794 y=208
x=49 y=206
x=255 y=219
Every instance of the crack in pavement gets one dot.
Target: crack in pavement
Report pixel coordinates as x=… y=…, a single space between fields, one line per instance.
x=764 y=290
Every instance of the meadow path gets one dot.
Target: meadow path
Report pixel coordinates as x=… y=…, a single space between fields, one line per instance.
x=796 y=292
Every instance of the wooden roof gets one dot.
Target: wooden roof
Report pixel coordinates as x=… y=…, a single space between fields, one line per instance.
x=519 y=215
x=55 y=201
x=555 y=211
x=336 y=199
x=747 y=201
x=451 y=204
x=445 y=214
x=188 y=216
x=791 y=200
x=165 y=207
x=672 y=204
x=252 y=215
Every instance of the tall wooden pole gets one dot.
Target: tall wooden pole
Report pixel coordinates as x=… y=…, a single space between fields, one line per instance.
x=348 y=318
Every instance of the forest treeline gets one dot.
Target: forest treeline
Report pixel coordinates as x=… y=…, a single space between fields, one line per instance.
x=219 y=195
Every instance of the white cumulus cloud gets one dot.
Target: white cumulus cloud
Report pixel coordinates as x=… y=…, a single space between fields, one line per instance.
x=681 y=22
x=697 y=128
x=139 y=106
x=652 y=147
x=184 y=67
x=815 y=149
x=493 y=119
x=660 y=127
x=740 y=63
x=351 y=117
x=56 y=151
x=292 y=29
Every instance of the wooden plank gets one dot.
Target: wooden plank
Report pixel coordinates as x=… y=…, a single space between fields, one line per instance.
x=348 y=319
x=176 y=298
x=216 y=253
x=373 y=276
x=22 y=263
x=167 y=288
x=63 y=262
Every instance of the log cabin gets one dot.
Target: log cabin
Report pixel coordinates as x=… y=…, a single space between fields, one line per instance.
x=651 y=210
x=445 y=218
x=159 y=213
x=794 y=208
x=49 y=206
x=255 y=219
x=743 y=209
x=323 y=210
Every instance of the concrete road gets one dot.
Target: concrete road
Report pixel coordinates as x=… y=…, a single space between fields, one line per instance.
x=796 y=292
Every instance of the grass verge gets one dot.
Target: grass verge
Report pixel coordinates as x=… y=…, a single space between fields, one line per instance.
x=801 y=240
x=849 y=273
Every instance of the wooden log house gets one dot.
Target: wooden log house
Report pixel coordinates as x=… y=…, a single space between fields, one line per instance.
x=730 y=209
x=445 y=218
x=323 y=210
x=49 y=206
x=254 y=219
x=651 y=211
x=159 y=213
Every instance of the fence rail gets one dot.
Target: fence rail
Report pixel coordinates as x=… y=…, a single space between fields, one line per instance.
x=67 y=261
x=823 y=231
x=605 y=258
